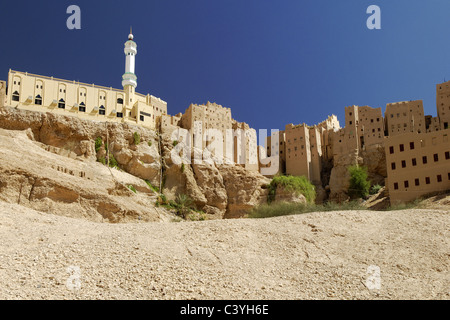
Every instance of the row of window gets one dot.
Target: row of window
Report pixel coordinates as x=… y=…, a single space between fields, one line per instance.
x=424 y=160
x=417 y=181
x=401 y=146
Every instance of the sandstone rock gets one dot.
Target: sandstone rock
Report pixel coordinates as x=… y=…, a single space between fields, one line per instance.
x=282 y=195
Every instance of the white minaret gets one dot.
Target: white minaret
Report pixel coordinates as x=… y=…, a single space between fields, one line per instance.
x=129 y=78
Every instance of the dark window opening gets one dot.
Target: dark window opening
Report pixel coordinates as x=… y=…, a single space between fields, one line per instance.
x=402 y=148
x=447 y=155
x=393 y=165
x=439 y=178
x=102 y=110
x=15 y=96
x=119 y=115
x=403 y=164
x=436 y=157
x=427 y=180
x=424 y=159
x=406 y=183
x=411 y=145
x=391 y=150
x=120 y=101
x=38 y=100
x=141 y=118
x=61 y=104
x=414 y=162
x=417 y=182
x=395 y=186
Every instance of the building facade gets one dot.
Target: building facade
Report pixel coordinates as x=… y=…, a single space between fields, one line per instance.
x=87 y=101
x=443 y=104
x=417 y=164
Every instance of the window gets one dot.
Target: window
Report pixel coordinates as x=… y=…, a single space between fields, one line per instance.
x=424 y=159
x=448 y=175
x=141 y=118
x=350 y=122
x=439 y=178
x=102 y=110
x=120 y=101
x=38 y=100
x=411 y=145
x=447 y=155
x=436 y=157
x=427 y=180
x=119 y=115
x=417 y=182
x=82 y=109
x=403 y=164
x=414 y=162
x=395 y=185
x=61 y=104
x=15 y=96
x=393 y=165
x=391 y=150
x=406 y=184
x=402 y=148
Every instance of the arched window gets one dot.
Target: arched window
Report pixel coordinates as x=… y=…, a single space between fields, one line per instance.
x=102 y=110
x=82 y=107
x=120 y=101
x=61 y=104
x=15 y=96
x=38 y=100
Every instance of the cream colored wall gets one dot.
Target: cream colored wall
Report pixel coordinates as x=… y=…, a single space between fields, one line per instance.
x=424 y=145
x=2 y=93
x=298 y=151
x=404 y=117
x=73 y=93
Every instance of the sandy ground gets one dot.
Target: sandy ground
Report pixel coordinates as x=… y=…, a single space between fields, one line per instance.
x=334 y=255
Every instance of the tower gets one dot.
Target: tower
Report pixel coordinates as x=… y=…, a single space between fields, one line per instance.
x=129 y=79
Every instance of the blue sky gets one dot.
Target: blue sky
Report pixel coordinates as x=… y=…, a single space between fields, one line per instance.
x=272 y=62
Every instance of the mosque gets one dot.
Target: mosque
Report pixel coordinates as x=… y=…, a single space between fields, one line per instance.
x=87 y=101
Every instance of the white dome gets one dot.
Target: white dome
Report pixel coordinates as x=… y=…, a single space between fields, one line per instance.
x=130 y=36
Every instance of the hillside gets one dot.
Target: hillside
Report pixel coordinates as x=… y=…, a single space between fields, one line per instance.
x=310 y=256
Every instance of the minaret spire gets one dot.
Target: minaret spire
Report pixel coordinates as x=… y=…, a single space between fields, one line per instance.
x=129 y=78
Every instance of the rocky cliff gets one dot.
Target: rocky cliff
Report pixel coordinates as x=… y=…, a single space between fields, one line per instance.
x=58 y=168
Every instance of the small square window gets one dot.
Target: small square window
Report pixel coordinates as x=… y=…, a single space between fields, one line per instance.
x=439 y=178
x=395 y=186
x=406 y=184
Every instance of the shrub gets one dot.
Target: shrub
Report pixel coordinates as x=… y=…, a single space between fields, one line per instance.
x=375 y=189
x=149 y=143
x=359 y=185
x=182 y=167
x=137 y=138
x=299 y=185
x=175 y=142
x=98 y=144
x=112 y=161
x=290 y=208
x=183 y=205
x=154 y=189
x=132 y=188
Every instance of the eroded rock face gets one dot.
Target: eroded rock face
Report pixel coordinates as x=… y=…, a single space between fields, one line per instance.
x=39 y=179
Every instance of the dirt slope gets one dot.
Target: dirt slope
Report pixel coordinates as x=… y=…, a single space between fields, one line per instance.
x=310 y=256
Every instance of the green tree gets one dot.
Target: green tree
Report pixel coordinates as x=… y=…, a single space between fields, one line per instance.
x=359 y=184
